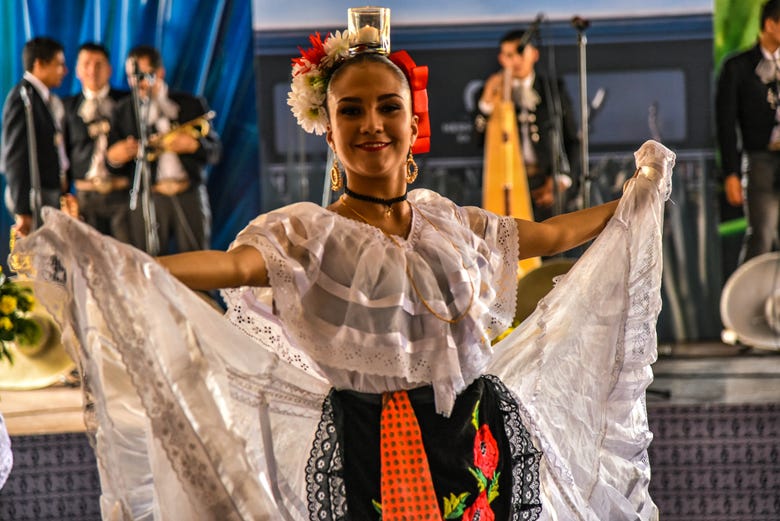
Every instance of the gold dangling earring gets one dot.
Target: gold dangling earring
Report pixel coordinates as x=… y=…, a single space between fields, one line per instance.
x=335 y=175
x=411 y=168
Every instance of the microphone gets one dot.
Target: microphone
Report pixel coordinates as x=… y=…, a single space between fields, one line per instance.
x=580 y=23
x=598 y=99
x=530 y=32
x=140 y=76
x=136 y=70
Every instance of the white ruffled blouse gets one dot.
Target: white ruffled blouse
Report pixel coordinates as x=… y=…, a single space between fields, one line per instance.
x=375 y=313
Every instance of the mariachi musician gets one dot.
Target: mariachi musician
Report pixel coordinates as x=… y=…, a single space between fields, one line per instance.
x=532 y=102
x=103 y=199
x=33 y=155
x=177 y=158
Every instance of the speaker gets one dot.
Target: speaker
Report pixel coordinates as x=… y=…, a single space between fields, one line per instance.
x=750 y=302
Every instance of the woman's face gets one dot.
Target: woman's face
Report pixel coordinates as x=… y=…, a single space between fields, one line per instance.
x=371 y=125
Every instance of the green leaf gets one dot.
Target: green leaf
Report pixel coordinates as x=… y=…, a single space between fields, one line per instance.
x=377 y=506
x=5 y=353
x=28 y=332
x=454 y=506
x=475 y=416
x=493 y=490
x=482 y=481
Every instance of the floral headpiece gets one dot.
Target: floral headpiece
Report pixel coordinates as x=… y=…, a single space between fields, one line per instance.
x=311 y=73
x=310 y=76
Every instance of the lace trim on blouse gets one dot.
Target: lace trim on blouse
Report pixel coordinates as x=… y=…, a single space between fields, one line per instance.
x=341 y=291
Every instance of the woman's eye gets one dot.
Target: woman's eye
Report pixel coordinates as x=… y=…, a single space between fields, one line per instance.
x=391 y=107
x=349 y=111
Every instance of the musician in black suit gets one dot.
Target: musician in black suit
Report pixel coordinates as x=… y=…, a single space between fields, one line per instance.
x=179 y=159
x=104 y=199
x=533 y=97
x=44 y=65
x=747 y=108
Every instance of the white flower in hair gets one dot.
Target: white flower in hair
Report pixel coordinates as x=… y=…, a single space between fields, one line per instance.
x=336 y=48
x=311 y=73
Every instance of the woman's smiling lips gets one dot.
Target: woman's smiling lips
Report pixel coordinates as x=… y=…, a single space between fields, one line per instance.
x=372 y=146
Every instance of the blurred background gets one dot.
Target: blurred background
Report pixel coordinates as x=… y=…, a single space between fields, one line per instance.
x=650 y=66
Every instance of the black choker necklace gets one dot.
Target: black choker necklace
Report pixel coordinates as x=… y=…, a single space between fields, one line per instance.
x=377 y=200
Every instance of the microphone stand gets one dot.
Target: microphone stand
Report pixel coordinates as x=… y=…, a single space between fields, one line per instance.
x=142 y=178
x=555 y=131
x=580 y=25
x=36 y=200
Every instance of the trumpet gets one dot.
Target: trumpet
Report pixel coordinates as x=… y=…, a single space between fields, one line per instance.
x=196 y=128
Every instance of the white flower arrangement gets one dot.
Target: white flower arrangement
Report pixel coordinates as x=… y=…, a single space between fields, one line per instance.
x=310 y=75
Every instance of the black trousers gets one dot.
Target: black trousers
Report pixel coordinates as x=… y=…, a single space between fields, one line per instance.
x=762 y=204
x=107 y=213
x=183 y=221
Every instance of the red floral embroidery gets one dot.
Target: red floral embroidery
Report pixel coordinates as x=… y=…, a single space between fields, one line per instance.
x=479 y=510
x=484 y=472
x=485 y=451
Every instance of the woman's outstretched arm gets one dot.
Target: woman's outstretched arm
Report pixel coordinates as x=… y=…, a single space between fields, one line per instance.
x=211 y=269
x=562 y=232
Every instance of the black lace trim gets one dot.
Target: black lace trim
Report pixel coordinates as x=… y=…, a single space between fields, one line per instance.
x=325 y=493
x=526 y=503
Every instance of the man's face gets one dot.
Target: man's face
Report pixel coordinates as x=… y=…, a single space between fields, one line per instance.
x=93 y=70
x=151 y=78
x=520 y=63
x=772 y=31
x=52 y=72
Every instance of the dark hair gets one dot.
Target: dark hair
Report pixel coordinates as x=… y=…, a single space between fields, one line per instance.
x=770 y=9
x=40 y=48
x=366 y=57
x=512 y=36
x=148 y=52
x=95 y=47
x=515 y=35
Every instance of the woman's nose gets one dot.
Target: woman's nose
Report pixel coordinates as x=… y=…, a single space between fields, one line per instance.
x=372 y=122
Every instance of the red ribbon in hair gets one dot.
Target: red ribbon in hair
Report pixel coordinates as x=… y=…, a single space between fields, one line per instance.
x=418 y=81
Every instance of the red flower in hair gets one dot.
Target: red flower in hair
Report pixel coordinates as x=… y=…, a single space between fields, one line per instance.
x=310 y=73
x=485 y=451
x=311 y=57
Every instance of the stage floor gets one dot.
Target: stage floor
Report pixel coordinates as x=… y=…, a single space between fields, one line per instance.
x=698 y=373
x=52 y=410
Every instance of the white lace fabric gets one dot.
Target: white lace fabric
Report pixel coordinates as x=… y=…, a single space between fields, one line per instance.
x=6 y=455
x=196 y=418
x=349 y=297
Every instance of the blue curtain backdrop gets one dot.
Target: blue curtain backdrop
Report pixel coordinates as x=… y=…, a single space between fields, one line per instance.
x=207 y=49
